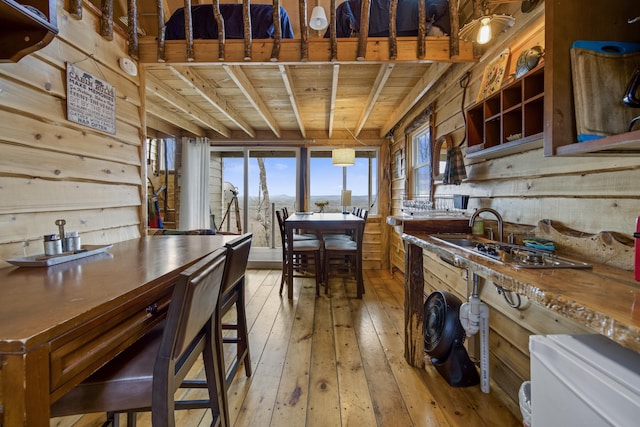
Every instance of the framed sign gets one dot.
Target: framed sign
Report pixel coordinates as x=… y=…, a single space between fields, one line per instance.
x=493 y=74
x=91 y=101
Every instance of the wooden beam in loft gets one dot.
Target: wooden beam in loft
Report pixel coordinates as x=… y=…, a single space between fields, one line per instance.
x=205 y=89
x=170 y=96
x=426 y=82
x=277 y=33
x=378 y=85
x=365 y=8
x=246 y=20
x=173 y=119
x=334 y=95
x=319 y=50
x=288 y=84
x=106 y=19
x=250 y=92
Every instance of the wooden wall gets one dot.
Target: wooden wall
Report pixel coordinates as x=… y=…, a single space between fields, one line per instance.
x=51 y=168
x=587 y=194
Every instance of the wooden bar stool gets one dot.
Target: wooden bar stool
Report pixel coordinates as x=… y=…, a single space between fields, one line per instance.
x=146 y=375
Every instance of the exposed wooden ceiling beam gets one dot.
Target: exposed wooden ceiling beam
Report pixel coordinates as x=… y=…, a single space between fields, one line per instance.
x=381 y=80
x=173 y=119
x=249 y=91
x=165 y=92
x=288 y=84
x=334 y=95
x=205 y=89
x=426 y=82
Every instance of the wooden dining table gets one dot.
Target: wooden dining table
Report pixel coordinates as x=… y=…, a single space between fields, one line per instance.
x=319 y=222
x=58 y=324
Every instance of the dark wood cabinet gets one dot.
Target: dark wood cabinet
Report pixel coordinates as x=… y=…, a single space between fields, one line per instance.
x=566 y=22
x=509 y=120
x=26 y=27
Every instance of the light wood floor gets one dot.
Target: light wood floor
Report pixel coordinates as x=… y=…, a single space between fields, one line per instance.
x=334 y=361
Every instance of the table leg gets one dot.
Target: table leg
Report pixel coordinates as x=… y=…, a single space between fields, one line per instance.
x=24 y=388
x=359 y=279
x=289 y=231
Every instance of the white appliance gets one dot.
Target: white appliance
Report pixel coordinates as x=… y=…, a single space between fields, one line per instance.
x=583 y=380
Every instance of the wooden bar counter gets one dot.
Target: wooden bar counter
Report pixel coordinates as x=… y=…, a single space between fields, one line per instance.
x=604 y=299
x=58 y=324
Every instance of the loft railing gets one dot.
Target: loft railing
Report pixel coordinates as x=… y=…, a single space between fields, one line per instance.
x=106 y=29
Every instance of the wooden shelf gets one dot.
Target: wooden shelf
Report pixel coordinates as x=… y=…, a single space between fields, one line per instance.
x=510 y=120
x=24 y=30
x=626 y=144
x=600 y=21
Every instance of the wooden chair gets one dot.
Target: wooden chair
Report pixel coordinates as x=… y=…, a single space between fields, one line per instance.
x=146 y=375
x=297 y=235
x=345 y=254
x=233 y=295
x=302 y=250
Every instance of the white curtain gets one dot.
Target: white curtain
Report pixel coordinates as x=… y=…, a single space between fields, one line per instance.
x=194 y=184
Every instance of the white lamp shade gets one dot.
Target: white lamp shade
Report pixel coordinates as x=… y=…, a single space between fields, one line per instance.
x=343 y=156
x=318 y=19
x=345 y=198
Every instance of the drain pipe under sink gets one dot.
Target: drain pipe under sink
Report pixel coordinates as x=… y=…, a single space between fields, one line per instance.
x=474 y=317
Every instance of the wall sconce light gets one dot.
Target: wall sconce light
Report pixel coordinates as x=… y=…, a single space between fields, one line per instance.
x=481 y=30
x=318 y=20
x=343 y=157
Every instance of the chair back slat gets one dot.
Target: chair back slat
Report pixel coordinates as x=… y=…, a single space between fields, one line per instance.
x=237 y=258
x=199 y=289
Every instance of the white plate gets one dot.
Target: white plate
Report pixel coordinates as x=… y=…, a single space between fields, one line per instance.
x=43 y=260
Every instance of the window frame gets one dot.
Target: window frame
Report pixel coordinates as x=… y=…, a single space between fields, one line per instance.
x=372 y=193
x=419 y=192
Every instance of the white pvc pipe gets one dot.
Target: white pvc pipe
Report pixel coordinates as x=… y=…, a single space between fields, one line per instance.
x=484 y=348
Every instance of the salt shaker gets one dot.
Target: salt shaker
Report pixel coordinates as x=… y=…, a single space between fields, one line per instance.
x=52 y=245
x=72 y=241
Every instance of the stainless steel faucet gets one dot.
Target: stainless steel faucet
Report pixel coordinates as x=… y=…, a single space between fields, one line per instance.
x=494 y=212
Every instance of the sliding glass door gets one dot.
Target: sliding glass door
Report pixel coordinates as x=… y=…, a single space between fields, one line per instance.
x=259 y=180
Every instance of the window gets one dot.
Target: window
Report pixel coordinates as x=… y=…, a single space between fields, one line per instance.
x=421 y=162
x=326 y=181
x=167 y=154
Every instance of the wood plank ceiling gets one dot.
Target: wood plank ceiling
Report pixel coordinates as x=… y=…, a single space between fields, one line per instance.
x=276 y=101
x=281 y=101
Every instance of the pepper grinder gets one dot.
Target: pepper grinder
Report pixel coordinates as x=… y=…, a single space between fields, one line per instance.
x=60 y=223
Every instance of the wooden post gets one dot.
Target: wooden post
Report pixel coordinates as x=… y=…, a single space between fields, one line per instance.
x=246 y=20
x=75 y=8
x=413 y=306
x=277 y=31
x=393 y=40
x=161 y=30
x=454 y=40
x=364 y=30
x=304 y=30
x=106 y=19
x=188 y=30
x=132 y=19
x=333 y=34
x=422 y=29
x=221 y=30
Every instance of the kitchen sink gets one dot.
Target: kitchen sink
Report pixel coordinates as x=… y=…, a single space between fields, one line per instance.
x=510 y=254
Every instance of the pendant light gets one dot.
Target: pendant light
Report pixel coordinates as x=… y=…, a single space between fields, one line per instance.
x=343 y=157
x=318 y=20
x=481 y=30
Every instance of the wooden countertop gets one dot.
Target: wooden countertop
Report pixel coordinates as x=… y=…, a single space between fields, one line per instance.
x=605 y=299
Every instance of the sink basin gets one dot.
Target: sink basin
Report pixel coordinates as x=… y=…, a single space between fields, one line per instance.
x=514 y=255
